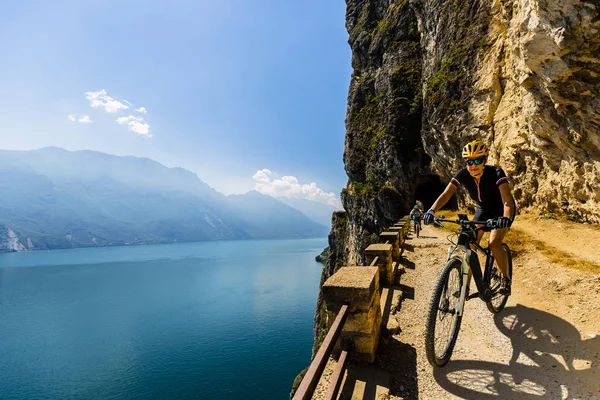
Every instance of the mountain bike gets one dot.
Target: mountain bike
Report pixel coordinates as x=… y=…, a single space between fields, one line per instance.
x=416 y=226
x=450 y=292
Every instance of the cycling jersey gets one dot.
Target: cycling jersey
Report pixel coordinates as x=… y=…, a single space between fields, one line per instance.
x=416 y=214
x=485 y=193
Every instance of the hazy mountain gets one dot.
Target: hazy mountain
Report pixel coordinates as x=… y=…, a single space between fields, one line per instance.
x=53 y=198
x=318 y=212
x=260 y=211
x=61 y=165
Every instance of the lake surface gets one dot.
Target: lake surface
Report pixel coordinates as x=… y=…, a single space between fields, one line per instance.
x=211 y=320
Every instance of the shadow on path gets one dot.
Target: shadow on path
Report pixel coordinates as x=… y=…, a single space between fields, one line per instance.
x=364 y=382
x=400 y=360
x=567 y=366
x=407 y=263
x=408 y=292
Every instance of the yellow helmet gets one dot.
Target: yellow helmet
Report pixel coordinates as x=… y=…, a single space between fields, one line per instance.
x=475 y=149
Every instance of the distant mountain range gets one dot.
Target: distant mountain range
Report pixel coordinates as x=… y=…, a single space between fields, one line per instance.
x=54 y=198
x=318 y=212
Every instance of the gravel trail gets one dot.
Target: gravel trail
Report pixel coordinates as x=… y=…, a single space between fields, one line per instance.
x=544 y=345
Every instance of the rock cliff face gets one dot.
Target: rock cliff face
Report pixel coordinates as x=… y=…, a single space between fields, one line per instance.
x=524 y=76
x=429 y=75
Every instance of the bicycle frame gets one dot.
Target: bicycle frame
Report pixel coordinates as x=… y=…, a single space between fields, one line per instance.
x=449 y=300
x=463 y=253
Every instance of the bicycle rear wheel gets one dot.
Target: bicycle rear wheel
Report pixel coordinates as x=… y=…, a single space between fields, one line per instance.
x=498 y=300
x=418 y=229
x=443 y=322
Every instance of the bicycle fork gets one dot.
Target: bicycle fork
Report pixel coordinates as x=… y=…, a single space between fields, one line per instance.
x=467 y=258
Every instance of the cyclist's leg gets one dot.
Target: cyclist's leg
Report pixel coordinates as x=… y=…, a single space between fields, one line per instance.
x=496 y=238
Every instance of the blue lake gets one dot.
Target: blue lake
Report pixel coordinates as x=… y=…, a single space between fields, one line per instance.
x=211 y=320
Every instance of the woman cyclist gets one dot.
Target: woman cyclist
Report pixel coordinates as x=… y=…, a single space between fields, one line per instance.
x=488 y=187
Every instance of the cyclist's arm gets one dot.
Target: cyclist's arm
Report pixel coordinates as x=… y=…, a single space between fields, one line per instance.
x=444 y=197
x=507 y=200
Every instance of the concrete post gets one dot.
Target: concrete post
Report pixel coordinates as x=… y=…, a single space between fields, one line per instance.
x=359 y=288
x=384 y=262
x=392 y=238
x=400 y=229
x=406 y=221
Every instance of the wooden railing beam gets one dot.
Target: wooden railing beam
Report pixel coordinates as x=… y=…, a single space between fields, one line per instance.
x=311 y=379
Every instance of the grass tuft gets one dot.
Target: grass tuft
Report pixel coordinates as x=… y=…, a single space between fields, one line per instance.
x=523 y=242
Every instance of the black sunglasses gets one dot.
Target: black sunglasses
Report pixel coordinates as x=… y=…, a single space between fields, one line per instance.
x=477 y=161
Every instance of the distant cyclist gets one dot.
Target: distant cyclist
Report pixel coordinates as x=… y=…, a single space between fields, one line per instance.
x=416 y=214
x=488 y=187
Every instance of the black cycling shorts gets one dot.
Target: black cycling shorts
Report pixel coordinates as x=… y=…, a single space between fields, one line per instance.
x=484 y=215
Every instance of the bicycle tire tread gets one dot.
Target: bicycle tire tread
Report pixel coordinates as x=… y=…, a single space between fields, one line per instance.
x=432 y=316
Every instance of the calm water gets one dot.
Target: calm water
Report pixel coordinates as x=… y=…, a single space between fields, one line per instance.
x=216 y=320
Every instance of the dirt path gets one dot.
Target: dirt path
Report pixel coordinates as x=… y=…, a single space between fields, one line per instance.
x=582 y=240
x=544 y=345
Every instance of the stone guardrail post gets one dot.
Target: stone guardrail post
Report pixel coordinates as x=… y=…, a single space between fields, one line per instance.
x=399 y=227
x=359 y=288
x=406 y=222
x=392 y=238
x=384 y=262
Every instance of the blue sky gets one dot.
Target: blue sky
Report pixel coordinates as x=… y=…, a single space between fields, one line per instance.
x=230 y=87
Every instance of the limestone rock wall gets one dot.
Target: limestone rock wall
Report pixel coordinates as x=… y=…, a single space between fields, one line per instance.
x=525 y=76
x=383 y=151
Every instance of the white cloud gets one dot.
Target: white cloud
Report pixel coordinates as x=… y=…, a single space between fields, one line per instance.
x=141 y=110
x=136 y=125
x=101 y=99
x=263 y=176
x=84 y=119
x=288 y=186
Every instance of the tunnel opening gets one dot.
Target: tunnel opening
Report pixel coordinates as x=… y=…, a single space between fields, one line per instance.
x=429 y=189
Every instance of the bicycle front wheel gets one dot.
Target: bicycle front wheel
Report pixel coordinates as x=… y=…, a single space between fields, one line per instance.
x=443 y=321
x=498 y=300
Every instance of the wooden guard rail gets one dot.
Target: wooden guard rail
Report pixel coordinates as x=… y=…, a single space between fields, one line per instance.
x=311 y=379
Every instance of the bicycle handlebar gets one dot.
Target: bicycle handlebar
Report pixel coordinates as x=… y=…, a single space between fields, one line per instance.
x=490 y=223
